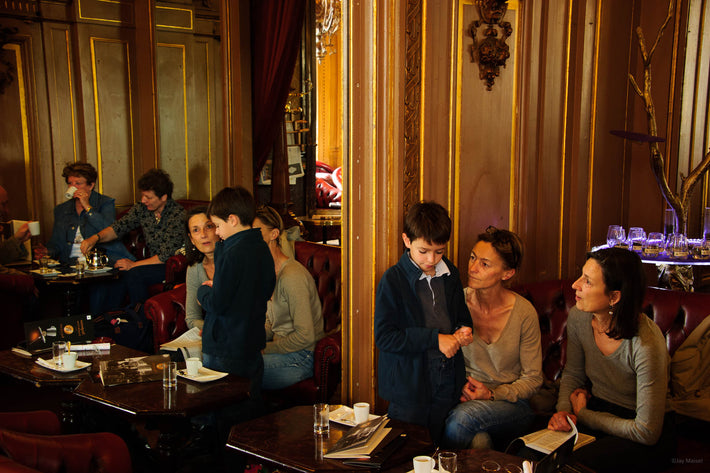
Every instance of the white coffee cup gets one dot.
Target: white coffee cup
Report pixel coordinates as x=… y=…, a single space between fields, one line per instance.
x=69 y=359
x=423 y=464
x=362 y=412
x=193 y=366
x=34 y=228
x=69 y=193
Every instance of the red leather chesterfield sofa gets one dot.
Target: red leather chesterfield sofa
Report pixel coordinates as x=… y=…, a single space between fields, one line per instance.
x=31 y=442
x=167 y=311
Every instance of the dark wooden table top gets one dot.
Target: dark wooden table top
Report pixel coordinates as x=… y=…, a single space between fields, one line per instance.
x=25 y=368
x=149 y=399
x=285 y=439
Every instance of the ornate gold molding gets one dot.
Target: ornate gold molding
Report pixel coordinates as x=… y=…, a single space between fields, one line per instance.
x=491 y=53
x=412 y=102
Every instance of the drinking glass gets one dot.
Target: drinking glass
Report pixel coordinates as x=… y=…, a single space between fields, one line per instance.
x=58 y=349
x=699 y=249
x=44 y=265
x=669 y=222
x=169 y=374
x=637 y=238
x=615 y=236
x=490 y=465
x=677 y=247
x=655 y=243
x=321 y=418
x=447 y=462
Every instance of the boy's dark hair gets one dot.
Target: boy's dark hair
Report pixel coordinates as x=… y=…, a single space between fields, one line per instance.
x=428 y=220
x=84 y=170
x=158 y=181
x=622 y=270
x=233 y=201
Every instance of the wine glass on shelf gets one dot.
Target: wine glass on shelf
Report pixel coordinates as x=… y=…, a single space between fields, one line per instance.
x=615 y=236
x=637 y=238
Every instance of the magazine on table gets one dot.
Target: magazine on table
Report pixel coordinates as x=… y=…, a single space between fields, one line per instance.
x=139 y=369
x=361 y=440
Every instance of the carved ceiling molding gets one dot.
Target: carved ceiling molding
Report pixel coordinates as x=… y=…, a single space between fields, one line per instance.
x=491 y=52
x=412 y=102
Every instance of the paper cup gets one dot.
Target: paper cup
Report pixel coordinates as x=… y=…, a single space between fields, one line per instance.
x=193 y=366
x=34 y=228
x=69 y=360
x=69 y=193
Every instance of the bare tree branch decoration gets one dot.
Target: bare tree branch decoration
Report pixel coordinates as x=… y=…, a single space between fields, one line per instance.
x=680 y=202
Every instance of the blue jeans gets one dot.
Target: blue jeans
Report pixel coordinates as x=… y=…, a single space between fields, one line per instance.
x=285 y=369
x=502 y=420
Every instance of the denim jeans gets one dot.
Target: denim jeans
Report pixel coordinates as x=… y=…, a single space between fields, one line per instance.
x=502 y=420
x=285 y=369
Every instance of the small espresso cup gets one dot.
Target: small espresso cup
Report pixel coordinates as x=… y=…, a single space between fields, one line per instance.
x=69 y=193
x=423 y=464
x=34 y=227
x=193 y=366
x=362 y=412
x=69 y=359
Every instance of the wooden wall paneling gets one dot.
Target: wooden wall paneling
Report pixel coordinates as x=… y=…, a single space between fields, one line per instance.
x=146 y=125
x=67 y=144
x=487 y=121
x=172 y=79
x=107 y=65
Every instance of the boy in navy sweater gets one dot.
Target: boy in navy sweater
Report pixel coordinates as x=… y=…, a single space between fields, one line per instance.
x=235 y=300
x=421 y=322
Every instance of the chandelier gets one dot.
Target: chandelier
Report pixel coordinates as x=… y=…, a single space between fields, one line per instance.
x=328 y=16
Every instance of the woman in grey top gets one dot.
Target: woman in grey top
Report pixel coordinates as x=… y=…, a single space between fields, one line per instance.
x=616 y=375
x=294 y=322
x=504 y=362
x=202 y=238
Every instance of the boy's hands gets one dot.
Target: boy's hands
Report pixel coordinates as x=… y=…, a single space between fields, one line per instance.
x=448 y=345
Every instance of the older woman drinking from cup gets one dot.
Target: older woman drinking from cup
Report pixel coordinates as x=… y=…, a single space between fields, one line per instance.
x=82 y=216
x=616 y=375
x=202 y=237
x=504 y=362
x=294 y=322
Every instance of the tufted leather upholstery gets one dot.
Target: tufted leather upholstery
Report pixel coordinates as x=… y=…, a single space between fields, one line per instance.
x=31 y=443
x=167 y=311
x=15 y=294
x=676 y=313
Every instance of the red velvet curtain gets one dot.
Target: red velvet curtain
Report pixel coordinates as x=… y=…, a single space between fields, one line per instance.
x=275 y=38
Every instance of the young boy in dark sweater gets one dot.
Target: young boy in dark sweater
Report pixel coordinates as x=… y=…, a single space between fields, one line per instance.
x=421 y=322
x=235 y=300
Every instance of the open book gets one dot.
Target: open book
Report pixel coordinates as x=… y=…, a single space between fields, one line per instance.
x=140 y=369
x=361 y=440
x=189 y=343
x=546 y=440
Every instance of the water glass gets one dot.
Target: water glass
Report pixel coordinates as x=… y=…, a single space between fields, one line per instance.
x=655 y=243
x=44 y=265
x=321 y=418
x=169 y=374
x=447 y=462
x=80 y=268
x=490 y=465
x=615 y=236
x=669 y=222
x=677 y=247
x=637 y=238
x=58 y=349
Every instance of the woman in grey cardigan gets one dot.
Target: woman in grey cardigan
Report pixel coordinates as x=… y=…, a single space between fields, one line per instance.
x=200 y=259
x=616 y=375
x=294 y=322
x=504 y=361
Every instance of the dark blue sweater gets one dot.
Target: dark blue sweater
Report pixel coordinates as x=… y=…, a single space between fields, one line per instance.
x=402 y=337
x=235 y=305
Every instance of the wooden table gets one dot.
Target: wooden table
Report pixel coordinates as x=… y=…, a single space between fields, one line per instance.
x=285 y=440
x=169 y=409
x=72 y=286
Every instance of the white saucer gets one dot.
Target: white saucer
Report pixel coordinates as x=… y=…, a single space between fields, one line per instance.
x=204 y=375
x=103 y=269
x=50 y=274
x=80 y=365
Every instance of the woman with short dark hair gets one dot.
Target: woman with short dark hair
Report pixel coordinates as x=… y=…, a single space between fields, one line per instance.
x=504 y=361
x=82 y=216
x=616 y=375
